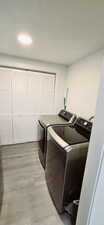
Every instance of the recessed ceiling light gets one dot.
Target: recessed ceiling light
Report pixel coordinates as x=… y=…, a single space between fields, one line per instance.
x=25 y=39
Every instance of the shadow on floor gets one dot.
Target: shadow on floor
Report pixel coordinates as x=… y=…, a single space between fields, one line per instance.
x=65 y=219
x=1 y=181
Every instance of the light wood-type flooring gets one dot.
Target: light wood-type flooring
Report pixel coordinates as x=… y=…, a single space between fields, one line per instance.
x=26 y=200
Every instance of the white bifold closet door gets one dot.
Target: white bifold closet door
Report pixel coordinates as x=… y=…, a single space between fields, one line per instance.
x=24 y=96
x=5 y=107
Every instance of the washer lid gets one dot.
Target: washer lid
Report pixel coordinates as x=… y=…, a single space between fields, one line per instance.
x=70 y=135
x=47 y=120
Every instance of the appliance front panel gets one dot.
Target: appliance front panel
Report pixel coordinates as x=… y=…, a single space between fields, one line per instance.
x=54 y=172
x=64 y=172
x=42 y=142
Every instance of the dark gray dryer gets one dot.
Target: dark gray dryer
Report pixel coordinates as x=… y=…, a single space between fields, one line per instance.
x=63 y=118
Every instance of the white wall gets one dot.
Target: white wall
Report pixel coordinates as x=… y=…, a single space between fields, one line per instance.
x=22 y=127
x=97 y=208
x=83 y=83
x=90 y=200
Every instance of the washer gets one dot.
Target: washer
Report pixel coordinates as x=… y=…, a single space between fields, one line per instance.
x=67 y=149
x=63 y=118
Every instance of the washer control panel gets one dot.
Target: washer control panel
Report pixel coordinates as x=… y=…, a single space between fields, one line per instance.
x=85 y=124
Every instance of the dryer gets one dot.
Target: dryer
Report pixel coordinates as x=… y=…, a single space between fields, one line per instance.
x=63 y=118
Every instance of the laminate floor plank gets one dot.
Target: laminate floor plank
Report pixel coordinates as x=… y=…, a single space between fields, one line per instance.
x=26 y=200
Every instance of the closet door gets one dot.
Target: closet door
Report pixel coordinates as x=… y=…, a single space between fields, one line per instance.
x=47 y=94
x=23 y=97
x=5 y=107
x=21 y=116
x=33 y=94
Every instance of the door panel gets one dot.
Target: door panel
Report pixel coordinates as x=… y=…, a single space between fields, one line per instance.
x=5 y=107
x=25 y=129
x=24 y=96
x=6 y=136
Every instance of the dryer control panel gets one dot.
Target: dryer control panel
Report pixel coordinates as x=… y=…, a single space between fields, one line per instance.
x=65 y=115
